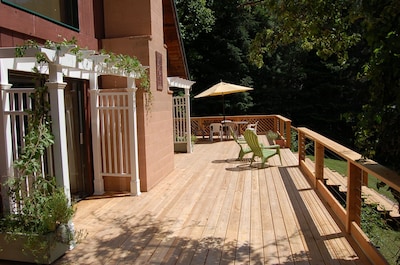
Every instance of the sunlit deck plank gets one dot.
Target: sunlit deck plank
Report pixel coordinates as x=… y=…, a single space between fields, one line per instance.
x=295 y=237
x=215 y=210
x=256 y=238
x=269 y=237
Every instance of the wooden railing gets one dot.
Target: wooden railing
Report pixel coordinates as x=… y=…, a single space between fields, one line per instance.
x=276 y=123
x=357 y=174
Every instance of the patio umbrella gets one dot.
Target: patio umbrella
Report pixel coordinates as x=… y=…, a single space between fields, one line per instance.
x=222 y=89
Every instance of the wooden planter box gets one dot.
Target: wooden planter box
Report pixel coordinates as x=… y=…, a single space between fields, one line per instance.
x=13 y=248
x=181 y=147
x=281 y=142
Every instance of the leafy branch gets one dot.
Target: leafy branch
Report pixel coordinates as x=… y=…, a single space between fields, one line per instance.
x=129 y=65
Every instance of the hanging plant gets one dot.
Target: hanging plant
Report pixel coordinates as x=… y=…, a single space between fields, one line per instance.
x=128 y=65
x=116 y=63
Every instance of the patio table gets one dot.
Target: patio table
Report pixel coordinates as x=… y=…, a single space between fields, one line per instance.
x=237 y=128
x=240 y=124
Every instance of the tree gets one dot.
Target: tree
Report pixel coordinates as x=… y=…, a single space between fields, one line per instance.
x=195 y=17
x=218 y=51
x=292 y=82
x=345 y=30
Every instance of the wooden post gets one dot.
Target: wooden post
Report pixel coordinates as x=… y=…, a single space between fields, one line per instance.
x=301 y=146
x=319 y=161
x=276 y=120
x=353 y=202
x=365 y=178
x=288 y=127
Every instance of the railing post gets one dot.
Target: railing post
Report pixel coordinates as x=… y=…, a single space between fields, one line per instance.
x=319 y=150
x=276 y=120
x=365 y=178
x=301 y=146
x=288 y=133
x=353 y=201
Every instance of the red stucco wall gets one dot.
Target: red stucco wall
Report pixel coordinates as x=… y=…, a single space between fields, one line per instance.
x=133 y=35
x=17 y=25
x=130 y=27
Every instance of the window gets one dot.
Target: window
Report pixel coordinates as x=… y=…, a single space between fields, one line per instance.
x=64 y=12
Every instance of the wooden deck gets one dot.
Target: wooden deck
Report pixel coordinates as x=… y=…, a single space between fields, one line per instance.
x=215 y=210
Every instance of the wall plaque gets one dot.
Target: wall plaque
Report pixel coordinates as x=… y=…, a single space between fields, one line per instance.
x=159 y=72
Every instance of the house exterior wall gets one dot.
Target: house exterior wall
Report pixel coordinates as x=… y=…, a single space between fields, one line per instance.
x=130 y=27
x=16 y=26
x=155 y=133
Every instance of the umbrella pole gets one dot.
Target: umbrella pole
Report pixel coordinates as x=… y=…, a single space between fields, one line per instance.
x=223 y=107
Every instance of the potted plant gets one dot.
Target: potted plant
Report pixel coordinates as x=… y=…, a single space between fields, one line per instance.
x=276 y=138
x=39 y=228
x=271 y=136
x=281 y=141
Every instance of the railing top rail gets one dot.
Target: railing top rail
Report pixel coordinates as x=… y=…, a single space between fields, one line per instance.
x=381 y=172
x=242 y=116
x=19 y=90
x=339 y=149
x=282 y=118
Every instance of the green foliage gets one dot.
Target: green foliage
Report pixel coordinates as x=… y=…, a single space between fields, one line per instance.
x=195 y=17
x=41 y=58
x=128 y=65
x=322 y=26
x=40 y=211
x=124 y=63
x=44 y=210
x=272 y=135
x=38 y=205
x=363 y=34
x=217 y=51
x=380 y=233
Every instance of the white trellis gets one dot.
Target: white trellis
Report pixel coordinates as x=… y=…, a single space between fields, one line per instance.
x=116 y=130
x=181 y=115
x=14 y=102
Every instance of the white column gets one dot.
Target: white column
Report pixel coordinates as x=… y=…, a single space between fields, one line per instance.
x=188 y=125
x=6 y=157
x=95 y=122
x=57 y=111
x=133 y=144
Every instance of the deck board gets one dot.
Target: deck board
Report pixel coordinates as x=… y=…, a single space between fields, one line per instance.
x=215 y=210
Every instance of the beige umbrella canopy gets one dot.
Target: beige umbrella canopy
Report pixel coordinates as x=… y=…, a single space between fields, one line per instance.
x=222 y=89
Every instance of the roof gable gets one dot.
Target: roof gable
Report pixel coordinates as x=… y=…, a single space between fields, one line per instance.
x=177 y=64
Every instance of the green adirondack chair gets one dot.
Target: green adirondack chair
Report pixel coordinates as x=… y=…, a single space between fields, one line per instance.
x=263 y=152
x=244 y=148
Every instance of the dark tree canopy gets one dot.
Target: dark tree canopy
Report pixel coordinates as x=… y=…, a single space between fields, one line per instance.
x=349 y=31
x=333 y=66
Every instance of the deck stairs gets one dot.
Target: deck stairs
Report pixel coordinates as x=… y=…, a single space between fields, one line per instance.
x=337 y=184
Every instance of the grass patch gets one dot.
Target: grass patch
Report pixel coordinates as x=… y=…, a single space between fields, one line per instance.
x=383 y=236
x=340 y=166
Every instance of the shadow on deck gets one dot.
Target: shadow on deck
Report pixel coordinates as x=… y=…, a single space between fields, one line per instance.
x=213 y=209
